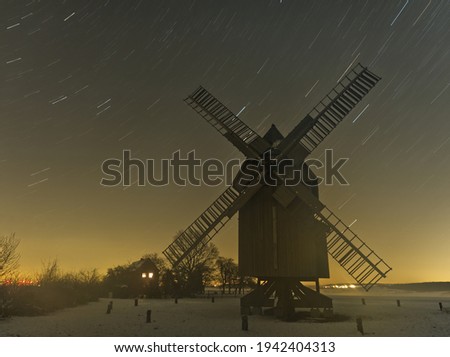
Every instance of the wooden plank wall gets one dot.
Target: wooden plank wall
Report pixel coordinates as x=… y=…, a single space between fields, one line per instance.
x=300 y=240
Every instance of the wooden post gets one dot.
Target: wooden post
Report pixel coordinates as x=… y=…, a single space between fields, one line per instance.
x=136 y=302
x=176 y=300
x=244 y=323
x=149 y=316
x=212 y=299
x=398 y=303
x=363 y=301
x=359 y=325
x=440 y=306
x=317 y=285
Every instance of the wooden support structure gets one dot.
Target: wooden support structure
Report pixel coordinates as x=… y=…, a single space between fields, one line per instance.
x=284 y=295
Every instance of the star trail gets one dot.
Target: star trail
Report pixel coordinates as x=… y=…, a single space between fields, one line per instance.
x=84 y=80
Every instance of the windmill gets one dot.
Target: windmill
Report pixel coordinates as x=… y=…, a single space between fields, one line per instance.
x=285 y=232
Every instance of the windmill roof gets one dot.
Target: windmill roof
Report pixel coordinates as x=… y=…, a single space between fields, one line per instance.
x=273 y=135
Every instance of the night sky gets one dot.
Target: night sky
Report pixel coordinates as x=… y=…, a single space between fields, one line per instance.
x=83 y=80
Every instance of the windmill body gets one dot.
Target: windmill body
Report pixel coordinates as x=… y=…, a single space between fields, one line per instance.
x=275 y=241
x=285 y=232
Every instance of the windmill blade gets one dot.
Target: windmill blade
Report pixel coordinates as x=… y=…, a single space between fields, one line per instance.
x=355 y=256
x=227 y=123
x=360 y=261
x=331 y=110
x=209 y=223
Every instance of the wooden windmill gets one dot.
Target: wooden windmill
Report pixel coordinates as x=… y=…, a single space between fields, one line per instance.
x=285 y=232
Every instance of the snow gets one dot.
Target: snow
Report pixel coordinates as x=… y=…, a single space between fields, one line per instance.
x=418 y=315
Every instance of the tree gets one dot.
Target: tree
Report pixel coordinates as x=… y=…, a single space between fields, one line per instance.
x=233 y=276
x=9 y=257
x=197 y=268
x=222 y=265
x=50 y=272
x=228 y=271
x=157 y=260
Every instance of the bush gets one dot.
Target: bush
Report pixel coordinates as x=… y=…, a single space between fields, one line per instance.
x=55 y=291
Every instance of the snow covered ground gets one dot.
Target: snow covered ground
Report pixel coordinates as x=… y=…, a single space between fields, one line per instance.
x=419 y=315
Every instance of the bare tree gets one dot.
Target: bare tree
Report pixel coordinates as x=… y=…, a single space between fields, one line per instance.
x=228 y=271
x=9 y=257
x=233 y=277
x=222 y=265
x=197 y=268
x=50 y=272
x=89 y=277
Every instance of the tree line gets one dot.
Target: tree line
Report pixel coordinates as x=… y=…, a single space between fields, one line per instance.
x=202 y=268
x=53 y=289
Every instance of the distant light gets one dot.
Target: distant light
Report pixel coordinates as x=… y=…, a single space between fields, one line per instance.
x=343 y=286
x=144 y=275
x=150 y=275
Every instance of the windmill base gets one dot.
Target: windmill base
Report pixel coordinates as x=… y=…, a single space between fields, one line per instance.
x=283 y=296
